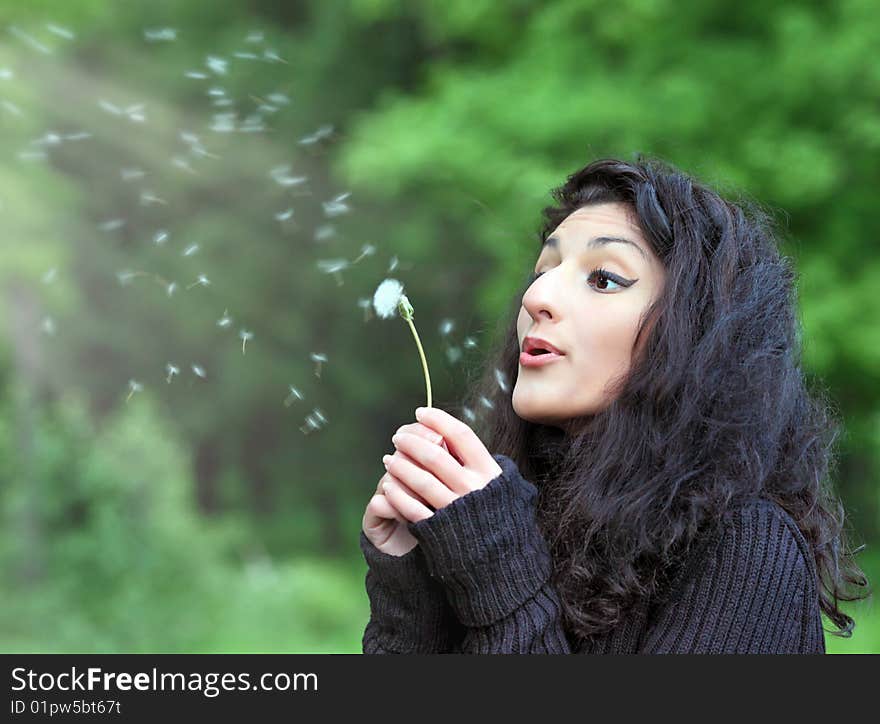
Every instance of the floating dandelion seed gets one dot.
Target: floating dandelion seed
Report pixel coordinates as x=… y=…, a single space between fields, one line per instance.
x=225 y=320
x=190 y=250
x=245 y=56
x=201 y=281
x=217 y=65
x=446 y=326
x=318 y=358
x=393 y=265
x=50 y=275
x=469 y=414
x=252 y=124
x=6 y=74
x=245 y=336
x=284 y=215
x=11 y=107
x=133 y=386
x=333 y=266
x=182 y=164
x=199 y=371
x=125 y=277
x=389 y=297
x=171 y=370
x=30 y=40
x=110 y=107
x=81 y=136
x=131 y=174
x=195 y=75
x=470 y=342
x=336 y=206
x=279 y=98
x=273 y=57
x=366 y=250
x=171 y=288
x=365 y=304
x=160 y=34
x=32 y=156
x=453 y=354
x=59 y=31
x=48 y=326
x=111 y=224
x=324 y=232
x=148 y=198
x=486 y=402
x=323 y=132
x=223 y=123
x=161 y=237
x=255 y=36
x=501 y=380
x=293 y=393
x=314 y=421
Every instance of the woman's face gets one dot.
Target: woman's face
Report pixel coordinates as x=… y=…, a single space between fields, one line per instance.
x=589 y=317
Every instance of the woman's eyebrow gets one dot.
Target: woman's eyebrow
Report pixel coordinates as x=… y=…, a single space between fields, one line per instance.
x=553 y=242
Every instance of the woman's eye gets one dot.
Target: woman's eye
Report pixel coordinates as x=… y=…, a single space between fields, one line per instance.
x=602 y=276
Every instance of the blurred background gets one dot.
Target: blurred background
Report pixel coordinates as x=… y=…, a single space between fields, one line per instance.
x=198 y=200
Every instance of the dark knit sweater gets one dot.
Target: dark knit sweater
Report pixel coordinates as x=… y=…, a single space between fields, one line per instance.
x=478 y=582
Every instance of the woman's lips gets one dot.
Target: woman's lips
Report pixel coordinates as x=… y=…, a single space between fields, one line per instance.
x=538 y=360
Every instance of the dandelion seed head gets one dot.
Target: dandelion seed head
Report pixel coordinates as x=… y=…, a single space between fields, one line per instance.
x=387 y=297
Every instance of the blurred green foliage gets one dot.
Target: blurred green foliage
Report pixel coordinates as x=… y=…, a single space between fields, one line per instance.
x=198 y=516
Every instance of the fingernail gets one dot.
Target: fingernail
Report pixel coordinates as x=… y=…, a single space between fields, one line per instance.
x=386 y=459
x=419 y=412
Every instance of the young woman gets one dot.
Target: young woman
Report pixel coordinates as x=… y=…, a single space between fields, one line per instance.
x=658 y=474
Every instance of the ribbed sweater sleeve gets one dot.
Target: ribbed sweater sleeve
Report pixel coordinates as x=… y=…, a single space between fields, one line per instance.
x=409 y=612
x=754 y=591
x=486 y=549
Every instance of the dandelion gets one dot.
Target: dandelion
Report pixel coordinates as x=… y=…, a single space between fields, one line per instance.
x=199 y=371
x=190 y=250
x=11 y=107
x=365 y=304
x=245 y=336
x=501 y=380
x=201 y=281
x=217 y=65
x=293 y=393
x=318 y=358
x=133 y=386
x=389 y=297
x=59 y=31
x=324 y=232
x=160 y=34
x=225 y=320
x=336 y=206
x=366 y=250
x=171 y=370
x=333 y=266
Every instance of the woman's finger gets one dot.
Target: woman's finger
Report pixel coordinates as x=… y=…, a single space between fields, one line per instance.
x=383 y=508
x=409 y=507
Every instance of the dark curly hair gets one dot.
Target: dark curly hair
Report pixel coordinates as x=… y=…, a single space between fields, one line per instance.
x=715 y=408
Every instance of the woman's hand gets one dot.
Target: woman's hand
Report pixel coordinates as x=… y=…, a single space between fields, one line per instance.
x=427 y=476
x=383 y=525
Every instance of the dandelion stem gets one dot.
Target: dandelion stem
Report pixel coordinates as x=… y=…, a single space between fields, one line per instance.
x=422 y=355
